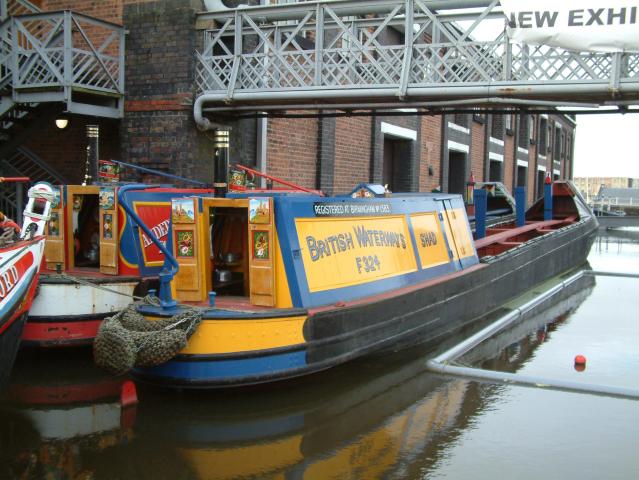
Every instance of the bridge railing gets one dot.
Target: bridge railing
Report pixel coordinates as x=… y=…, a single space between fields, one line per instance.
x=406 y=49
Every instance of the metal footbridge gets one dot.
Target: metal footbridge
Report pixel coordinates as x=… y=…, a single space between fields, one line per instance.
x=387 y=54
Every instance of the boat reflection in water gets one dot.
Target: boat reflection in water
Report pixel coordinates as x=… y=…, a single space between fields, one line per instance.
x=366 y=420
x=60 y=412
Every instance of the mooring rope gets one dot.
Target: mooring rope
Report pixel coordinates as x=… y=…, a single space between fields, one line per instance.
x=151 y=300
x=87 y=283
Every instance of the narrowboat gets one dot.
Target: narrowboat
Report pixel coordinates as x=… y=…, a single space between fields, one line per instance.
x=290 y=284
x=21 y=251
x=96 y=260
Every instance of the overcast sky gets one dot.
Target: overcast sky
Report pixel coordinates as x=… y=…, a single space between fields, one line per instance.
x=607 y=146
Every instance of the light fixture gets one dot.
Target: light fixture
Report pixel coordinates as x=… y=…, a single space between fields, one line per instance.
x=62 y=121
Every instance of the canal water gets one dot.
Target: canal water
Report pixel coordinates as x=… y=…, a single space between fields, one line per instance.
x=384 y=417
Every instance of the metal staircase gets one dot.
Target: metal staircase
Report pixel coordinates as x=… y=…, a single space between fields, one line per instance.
x=51 y=62
x=376 y=54
x=23 y=163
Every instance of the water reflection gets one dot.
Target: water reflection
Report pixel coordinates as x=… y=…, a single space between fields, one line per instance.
x=382 y=417
x=616 y=250
x=59 y=412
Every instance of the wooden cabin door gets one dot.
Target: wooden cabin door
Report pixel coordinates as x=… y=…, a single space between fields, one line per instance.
x=261 y=233
x=80 y=233
x=455 y=225
x=109 y=231
x=54 y=246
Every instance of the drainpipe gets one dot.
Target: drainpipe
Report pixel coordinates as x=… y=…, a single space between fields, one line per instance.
x=93 y=136
x=444 y=156
x=261 y=150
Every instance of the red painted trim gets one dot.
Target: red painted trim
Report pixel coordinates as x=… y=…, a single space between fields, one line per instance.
x=511 y=232
x=58 y=333
x=65 y=394
x=14 y=179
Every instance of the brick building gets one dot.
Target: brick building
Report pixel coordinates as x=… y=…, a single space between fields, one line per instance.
x=409 y=152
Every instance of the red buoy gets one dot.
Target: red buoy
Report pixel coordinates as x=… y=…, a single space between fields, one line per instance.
x=580 y=360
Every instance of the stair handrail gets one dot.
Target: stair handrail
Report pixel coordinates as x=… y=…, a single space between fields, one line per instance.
x=4 y=8
x=55 y=175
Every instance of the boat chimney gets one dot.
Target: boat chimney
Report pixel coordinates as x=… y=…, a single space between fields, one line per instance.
x=93 y=145
x=221 y=167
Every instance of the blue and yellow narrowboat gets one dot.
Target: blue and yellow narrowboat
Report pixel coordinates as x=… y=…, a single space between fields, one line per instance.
x=95 y=259
x=293 y=283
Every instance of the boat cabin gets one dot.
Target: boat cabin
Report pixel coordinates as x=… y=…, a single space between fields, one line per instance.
x=260 y=249
x=89 y=233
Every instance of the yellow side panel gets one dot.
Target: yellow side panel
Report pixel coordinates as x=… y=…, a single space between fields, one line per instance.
x=340 y=252
x=109 y=258
x=458 y=236
x=187 y=283
x=54 y=253
x=282 y=293
x=430 y=240
x=227 y=336
x=251 y=461
x=261 y=281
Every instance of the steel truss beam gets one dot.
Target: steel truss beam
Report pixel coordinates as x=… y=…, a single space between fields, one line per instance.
x=406 y=52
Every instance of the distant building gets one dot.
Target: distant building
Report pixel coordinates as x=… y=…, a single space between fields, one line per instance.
x=590 y=186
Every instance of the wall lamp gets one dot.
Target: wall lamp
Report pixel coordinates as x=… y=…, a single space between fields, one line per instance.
x=62 y=121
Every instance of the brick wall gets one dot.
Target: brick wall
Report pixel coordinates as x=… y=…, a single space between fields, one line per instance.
x=352 y=152
x=292 y=150
x=509 y=161
x=477 y=151
x=109 y=10
x=158 y=130
x=431 y=144
x=65 y=150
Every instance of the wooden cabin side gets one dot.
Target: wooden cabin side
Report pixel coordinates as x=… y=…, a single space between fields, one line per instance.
x=89 y=232
x=74 y=230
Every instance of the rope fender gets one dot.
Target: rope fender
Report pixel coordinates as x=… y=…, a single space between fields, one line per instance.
x=127 y=339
